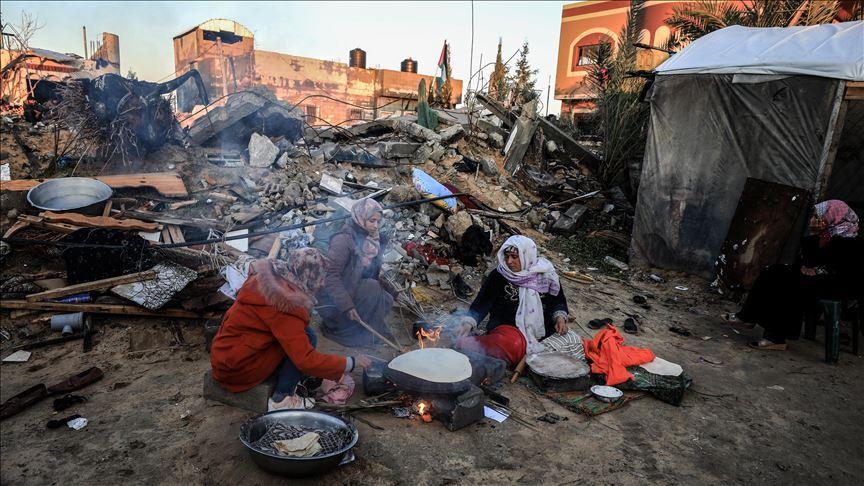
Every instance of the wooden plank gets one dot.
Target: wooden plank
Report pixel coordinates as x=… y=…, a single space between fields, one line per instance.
x=166 y=235
x=176 y=234
x=115 y=309
x=854 y=90
x=94 y=285
x=166 y=183
x=107 y=211
x=98 y=221
x=832 y=142
x=277 y=246
x=38 y=222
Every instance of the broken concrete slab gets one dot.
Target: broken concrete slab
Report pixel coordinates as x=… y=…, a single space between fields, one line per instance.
x=237 y=115
x=396 y=149
x=576 y=211
x=517 y=144
x=452 y=134
x=262 y=152
x=416 y=131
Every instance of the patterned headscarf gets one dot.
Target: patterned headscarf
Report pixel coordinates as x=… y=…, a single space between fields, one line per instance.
x=363 y=210
x=839 y=219
x=537 y=276
x=304 y=269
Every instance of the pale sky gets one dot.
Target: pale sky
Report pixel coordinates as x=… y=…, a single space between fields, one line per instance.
x=388 y=31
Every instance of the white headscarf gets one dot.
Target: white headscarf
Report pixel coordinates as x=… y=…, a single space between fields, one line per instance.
x=537 y=275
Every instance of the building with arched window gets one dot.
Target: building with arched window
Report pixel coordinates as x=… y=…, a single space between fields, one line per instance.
x=584 y=26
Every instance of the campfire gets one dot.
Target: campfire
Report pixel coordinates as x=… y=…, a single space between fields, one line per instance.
x=422 y=409
x=432 y=336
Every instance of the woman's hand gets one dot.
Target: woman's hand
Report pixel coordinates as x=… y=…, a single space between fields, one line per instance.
x=809 y=271
x=354 y=316
x=561 y=325
x=362 y=361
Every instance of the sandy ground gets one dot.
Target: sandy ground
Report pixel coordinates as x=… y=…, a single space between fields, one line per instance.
x=735 y=426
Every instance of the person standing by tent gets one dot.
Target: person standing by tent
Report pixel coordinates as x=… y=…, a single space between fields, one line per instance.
x=353 y=291
x=831 y=267
x=524 y=301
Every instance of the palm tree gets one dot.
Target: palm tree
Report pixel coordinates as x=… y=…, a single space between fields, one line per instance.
x=695 y=19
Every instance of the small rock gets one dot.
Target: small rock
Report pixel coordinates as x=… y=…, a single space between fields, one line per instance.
x=489 y=166
x=262 y=151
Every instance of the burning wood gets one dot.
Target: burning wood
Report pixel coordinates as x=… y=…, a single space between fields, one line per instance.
x=433 y=335
x=422 y=410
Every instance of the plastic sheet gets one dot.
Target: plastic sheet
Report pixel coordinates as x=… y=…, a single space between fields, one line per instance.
x=706 y=136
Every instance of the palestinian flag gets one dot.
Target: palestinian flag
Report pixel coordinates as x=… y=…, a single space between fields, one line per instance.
x=442 y=68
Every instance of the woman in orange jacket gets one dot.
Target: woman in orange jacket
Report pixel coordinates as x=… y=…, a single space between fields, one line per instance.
x=267 y=329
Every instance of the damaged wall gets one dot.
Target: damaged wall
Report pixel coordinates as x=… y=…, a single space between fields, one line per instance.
x=223 y=52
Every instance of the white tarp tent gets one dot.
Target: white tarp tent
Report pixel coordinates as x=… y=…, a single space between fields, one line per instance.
x=831 y=51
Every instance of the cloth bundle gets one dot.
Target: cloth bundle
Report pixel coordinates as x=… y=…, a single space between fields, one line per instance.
x=610 y=357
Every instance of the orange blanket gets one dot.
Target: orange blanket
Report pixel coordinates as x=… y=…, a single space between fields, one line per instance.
x=608 y=356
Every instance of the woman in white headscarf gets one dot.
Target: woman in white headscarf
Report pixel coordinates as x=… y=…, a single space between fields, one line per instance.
x=523 y=300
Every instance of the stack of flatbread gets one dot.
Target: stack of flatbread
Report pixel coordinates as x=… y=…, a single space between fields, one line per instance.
x=304 y=446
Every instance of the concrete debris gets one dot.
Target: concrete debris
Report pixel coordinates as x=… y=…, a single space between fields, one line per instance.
x=452 y=134
x=416 y=131
x=457 y=224
x=262 y=152
x=489 y=166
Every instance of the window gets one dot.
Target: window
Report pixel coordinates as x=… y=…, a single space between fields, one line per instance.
x=587 y=54
x=355 y=114
x=311 y=113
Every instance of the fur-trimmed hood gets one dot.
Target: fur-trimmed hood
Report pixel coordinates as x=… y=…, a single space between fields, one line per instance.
x=265 y=287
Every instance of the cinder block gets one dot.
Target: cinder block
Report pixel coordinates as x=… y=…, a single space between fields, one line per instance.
x=254 y=400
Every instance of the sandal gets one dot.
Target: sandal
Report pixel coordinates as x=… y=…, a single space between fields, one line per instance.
x=767 y=345
x=732 y=319
x=599 y=323
x=22 y=400
x=630 y=326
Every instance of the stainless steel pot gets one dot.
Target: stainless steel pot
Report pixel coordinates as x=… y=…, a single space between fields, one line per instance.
x=67 y=193
x=254 y=428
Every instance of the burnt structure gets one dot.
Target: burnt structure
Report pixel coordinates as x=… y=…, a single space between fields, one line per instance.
x=223 y=52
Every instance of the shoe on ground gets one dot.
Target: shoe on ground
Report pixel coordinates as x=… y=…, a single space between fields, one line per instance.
x=290 y=402
x=767 y=345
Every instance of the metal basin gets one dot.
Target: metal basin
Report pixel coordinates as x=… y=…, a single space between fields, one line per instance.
x=68 y=193
x=256 y=427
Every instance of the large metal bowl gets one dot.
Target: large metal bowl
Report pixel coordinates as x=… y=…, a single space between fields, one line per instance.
x=68 y=193
x=254 y=428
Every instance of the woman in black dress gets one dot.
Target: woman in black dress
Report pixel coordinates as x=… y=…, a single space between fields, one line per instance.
x=831 y=266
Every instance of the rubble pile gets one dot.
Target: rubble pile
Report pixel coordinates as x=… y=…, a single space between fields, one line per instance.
x=247 y=177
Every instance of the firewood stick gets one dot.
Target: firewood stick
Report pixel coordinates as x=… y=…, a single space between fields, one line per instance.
x=518 y=370
x=376 y=333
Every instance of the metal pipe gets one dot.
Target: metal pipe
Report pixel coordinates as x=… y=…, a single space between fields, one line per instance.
x=84 y=29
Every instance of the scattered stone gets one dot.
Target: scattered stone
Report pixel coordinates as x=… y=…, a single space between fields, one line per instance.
x=457 y=224
x=262 y=151
x=452 y=134
x=489 y=166
x=282 y=161
x=496 y=140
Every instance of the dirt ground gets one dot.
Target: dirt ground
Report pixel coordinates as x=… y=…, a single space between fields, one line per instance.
x=757 y=417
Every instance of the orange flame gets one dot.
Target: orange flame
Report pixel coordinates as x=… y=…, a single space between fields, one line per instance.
x=431 y=336
x=421 y=407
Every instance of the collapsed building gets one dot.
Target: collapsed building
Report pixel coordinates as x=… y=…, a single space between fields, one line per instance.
x=223 y=52
x=32 y=74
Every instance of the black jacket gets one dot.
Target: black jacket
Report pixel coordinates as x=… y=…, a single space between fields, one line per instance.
x=499 y=299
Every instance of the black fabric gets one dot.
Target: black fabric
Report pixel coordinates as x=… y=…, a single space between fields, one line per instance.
x=85 y=264
x=499 y=299
x=707 y=135
x=475 y=243
x=782 y=295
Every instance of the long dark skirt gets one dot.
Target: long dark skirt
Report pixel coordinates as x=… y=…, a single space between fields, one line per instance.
x=373 y=304
x=782 y=296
